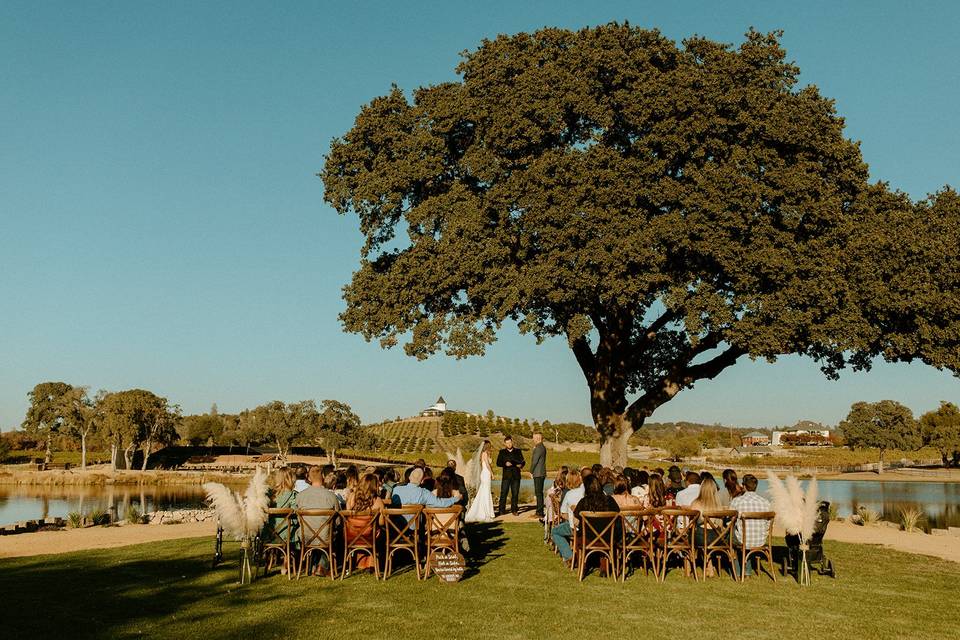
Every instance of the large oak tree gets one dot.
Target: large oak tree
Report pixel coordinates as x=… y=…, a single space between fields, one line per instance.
x=666 y=209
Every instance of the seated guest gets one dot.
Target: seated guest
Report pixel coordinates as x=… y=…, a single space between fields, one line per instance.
x=595 y=499
x=429 y=482
x=596 y=468
x=657 y=498
x=756 y=530
x=563 y=532
x=673 y=481
x=622 y=495
x=639 y=488
x=389 y=482
x=319 y=495
x=444 y=486
x=731 y=485
x=412 y=493
x=456 y=482
x=606 y=477
x=365 y=497
x=686 y=497
x=282 y=496
x=340 y=487
x=353 y=477
x=301 y=482
x=559 y=486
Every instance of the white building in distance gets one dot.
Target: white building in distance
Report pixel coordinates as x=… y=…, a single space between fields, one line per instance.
x=438 y=409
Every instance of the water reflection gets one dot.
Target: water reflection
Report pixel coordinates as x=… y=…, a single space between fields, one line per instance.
x=940 y=502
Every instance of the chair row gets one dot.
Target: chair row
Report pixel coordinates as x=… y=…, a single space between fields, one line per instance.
x=417 y=530
x=660 y=535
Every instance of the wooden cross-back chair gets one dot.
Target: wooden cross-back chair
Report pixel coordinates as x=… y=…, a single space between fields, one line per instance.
x=718 y=539
x=555 y=518
x=360 y=529
x=317 y=538
x=598 y=536
x=276 y=540
x=443 y=532
x=402 y=535
x=680 y=527
x=761 y=552
x=639 y=536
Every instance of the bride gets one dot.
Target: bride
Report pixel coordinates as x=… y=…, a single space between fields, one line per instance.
x=479 y=477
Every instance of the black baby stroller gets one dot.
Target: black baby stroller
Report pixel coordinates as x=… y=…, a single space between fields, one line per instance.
x=815 y=558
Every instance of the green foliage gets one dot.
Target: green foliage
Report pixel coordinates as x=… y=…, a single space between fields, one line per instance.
x=663 y=209
x=133 y=516
x=74 y=520
x=883 y=425
x=868 y=515
x=98 y=517
x=681 y=447
x=941 y=430
x=5 y=448
x=137 y=418
x=201 y=429
x=45 y=415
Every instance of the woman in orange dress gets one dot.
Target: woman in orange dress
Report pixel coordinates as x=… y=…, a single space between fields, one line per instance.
x=364 y=497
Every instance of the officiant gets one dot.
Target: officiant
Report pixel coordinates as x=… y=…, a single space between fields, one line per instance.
x=511 y=461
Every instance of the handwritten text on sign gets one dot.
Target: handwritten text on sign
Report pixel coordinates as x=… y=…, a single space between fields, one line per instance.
x=449 y=567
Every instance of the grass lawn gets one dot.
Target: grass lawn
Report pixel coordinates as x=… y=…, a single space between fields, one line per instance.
x=517 y=589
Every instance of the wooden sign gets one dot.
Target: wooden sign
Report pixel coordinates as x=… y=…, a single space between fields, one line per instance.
x=449 y=567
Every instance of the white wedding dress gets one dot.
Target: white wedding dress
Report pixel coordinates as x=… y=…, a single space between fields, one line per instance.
x=481 y=509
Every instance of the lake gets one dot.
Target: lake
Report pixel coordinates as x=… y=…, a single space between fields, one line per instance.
x=940 y=501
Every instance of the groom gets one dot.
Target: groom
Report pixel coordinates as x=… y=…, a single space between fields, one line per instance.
x=512 y=462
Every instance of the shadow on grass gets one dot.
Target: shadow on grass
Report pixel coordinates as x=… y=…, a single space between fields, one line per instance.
x=91 y=595
x=486 y=539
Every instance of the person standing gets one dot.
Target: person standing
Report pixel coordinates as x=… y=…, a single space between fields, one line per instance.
x=538 y=467
x=511 y=461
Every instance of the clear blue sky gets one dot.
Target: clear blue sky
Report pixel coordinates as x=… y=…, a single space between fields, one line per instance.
x=162 y=226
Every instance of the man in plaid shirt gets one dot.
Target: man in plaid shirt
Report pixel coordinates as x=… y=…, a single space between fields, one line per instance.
x=756 y=530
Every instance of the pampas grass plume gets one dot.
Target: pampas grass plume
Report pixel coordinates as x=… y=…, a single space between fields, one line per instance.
x=788 y=513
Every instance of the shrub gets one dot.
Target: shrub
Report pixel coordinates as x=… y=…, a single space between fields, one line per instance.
x=74 y=519
x=868 y=515
x=134 y=516
x=912 y=519
x=834 y=512
x=98 y=517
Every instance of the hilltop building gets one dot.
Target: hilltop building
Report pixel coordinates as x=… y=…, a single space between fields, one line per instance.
x=437 y=410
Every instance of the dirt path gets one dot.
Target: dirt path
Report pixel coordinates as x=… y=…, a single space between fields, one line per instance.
x=946 y=547
x=67 y=540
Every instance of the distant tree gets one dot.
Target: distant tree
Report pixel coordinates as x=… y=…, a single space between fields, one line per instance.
x=941 y=430
x=45 y=414
x=202 y=429
x=339 y=426
x=281 y=424
x=79 y=417
x=881 y=425
x=680 y=447
x=664 y=209
x=134 y=419
x=491 y=415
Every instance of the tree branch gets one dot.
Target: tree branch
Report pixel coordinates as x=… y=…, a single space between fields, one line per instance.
x=581 y=350
x=682 y=377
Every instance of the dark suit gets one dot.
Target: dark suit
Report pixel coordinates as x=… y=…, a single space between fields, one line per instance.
x=538 y=467
x=461 y=486
x=511 y=478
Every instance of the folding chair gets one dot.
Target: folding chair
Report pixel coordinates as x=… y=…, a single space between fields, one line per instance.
x=316 y=537
x=275 y=540
x=443 y=532
x=718 y=539
x=402 y=535
x=360 y=529
x=680 y=526
x=763 y=551
x=598 y=535
x=640 y=537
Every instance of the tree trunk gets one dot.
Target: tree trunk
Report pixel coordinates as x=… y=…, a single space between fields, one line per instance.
x=114 y=455
x=48 y=452
x=128 y=456
x=83 y=449
x=615 y=431
x=880 y=464
x=146 y=453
